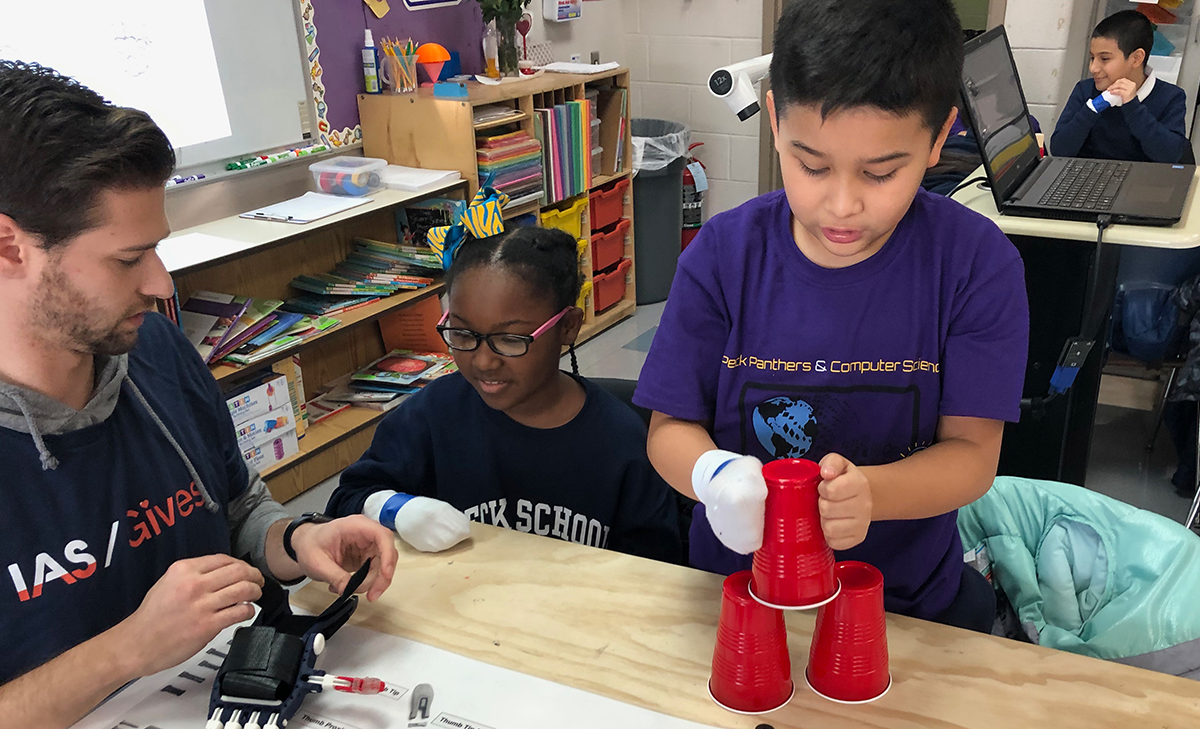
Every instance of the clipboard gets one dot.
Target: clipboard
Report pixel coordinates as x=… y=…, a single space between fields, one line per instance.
x=305 y=209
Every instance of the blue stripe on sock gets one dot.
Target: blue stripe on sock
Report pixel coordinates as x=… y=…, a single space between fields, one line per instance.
x=387 y=515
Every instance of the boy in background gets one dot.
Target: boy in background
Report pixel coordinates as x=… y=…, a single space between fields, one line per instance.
x=1123 y=112
x=851 y=318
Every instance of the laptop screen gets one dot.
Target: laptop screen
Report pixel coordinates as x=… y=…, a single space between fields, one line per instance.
x=996 y=105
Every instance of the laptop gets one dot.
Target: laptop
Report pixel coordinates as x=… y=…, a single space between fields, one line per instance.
x=1026 y=184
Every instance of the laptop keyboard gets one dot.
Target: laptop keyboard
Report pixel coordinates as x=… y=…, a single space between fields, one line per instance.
x=1086 y=184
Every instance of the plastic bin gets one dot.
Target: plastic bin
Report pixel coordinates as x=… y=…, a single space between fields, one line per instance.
x=582 y=246
x=595 y=133
x=568 y=219
x=585 y=293
x=609 y=288
x=593 y=100
x=608 y=247
x=356 y=176
x=597 y=161
x=608 y=204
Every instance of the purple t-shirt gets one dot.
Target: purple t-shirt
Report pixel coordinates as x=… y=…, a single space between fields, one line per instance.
x=787 y=360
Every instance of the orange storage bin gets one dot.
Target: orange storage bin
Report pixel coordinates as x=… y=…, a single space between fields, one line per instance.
x=608 y=204
x=609 y=288
x=608 y=246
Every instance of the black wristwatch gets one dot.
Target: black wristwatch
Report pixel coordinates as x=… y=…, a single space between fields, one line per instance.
x=311 y=517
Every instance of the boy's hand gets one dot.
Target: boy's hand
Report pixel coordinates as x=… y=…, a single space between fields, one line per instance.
x=734 y=495
x=1124 y=89
x=845 y=502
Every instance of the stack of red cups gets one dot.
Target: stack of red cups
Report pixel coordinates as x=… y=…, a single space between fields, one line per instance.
x=795 y=570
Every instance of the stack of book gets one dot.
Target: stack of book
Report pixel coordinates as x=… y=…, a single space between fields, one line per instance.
x=240 y=330
x=376 y=269
x=383 y=384
x=514 y=162
x=565 y=133
x=272 y=343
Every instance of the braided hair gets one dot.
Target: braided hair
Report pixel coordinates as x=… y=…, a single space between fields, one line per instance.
x=546 y=258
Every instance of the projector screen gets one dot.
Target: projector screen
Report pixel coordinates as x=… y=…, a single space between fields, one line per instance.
x=223 y=78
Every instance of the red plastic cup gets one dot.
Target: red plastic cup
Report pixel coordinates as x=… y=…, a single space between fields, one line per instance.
x=794 y=568
x=848 y=661
x=751 y=670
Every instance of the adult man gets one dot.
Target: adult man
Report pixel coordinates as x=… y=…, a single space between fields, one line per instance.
x=124 y=502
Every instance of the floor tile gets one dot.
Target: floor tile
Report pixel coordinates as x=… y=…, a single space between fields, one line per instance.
x=643 y=341
x=1120 y=466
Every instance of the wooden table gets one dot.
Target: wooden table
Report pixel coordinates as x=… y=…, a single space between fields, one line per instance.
x=642 y=632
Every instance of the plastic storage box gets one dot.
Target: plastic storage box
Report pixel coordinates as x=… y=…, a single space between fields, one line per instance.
x=608 y=204
x=356 y=176
x=608 y=246
x=609 y=288
x=595 y=133
x=597 y=161
x=567 y=219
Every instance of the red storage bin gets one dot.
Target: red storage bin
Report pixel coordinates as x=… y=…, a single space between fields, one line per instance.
x=608 y=204
x=608 y=246
x=609 y=288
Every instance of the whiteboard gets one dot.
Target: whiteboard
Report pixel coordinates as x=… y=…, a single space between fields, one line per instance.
x=223 y=78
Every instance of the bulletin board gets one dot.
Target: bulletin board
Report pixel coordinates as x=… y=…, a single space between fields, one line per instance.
x=333 y=38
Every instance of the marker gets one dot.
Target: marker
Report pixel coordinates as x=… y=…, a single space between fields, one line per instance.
x=178 y=180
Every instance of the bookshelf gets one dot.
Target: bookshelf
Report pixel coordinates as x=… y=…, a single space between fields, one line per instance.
x=259 y=258
x=421 y=130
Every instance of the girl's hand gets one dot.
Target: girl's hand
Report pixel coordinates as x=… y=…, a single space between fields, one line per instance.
x=845 y=502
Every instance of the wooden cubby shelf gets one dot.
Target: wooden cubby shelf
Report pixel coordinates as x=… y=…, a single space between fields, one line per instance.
x=259 y=259
x=421 y=130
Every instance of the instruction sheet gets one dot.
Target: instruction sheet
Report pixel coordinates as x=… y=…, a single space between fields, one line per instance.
x=455 y=693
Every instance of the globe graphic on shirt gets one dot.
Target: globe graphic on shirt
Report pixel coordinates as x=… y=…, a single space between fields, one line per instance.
x=785 y=427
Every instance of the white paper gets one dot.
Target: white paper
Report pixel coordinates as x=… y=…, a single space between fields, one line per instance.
x=584 y=68
x=465 y=692
x=308 y=207
x=414 y=179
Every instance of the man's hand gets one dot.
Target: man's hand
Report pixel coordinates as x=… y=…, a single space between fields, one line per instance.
x=332 y=552
x=1124 y=89
x=845 y=502
x=189 y=605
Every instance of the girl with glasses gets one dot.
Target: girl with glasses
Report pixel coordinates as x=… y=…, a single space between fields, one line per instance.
x=511 y=440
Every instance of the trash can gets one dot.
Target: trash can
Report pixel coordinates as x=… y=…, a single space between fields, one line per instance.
x=659 y=154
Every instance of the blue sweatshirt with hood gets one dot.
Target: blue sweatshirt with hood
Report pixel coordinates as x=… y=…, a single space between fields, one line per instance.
x=96 y=504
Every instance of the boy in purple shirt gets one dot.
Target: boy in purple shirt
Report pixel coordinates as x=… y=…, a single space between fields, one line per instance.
x=851 y=319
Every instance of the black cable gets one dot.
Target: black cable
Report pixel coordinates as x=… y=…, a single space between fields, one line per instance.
x=966 y=183
x=1076 y=350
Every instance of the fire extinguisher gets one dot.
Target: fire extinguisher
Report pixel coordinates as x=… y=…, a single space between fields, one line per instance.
x=695 y=183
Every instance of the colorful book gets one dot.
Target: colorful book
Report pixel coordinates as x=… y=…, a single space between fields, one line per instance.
x=317 y=304
x=259 y=314
x=321 y=408
x=401 y=367
x=225 y=309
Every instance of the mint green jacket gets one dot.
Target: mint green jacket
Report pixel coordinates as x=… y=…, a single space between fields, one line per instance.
x=1092 y=575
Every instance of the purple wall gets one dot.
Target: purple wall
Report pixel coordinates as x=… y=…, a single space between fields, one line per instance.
x=340 y=25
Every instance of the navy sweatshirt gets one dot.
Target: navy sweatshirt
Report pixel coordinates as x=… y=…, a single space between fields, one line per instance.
x=82 y=544
x=1150 y=128
x=588 y=482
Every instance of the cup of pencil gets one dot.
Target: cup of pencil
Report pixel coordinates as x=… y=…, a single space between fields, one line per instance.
x=401 y=65
x=407 y=65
